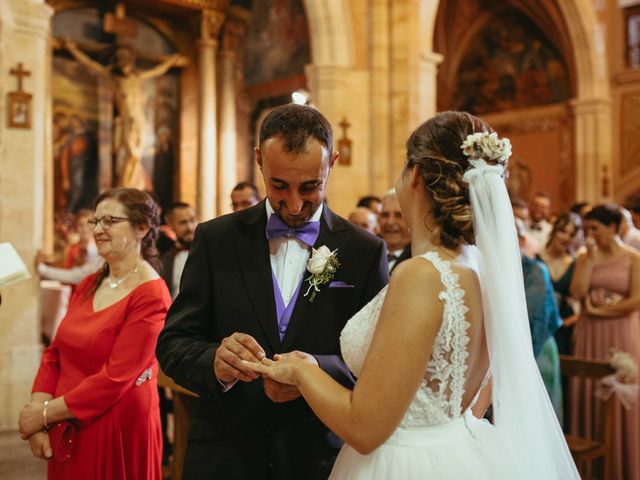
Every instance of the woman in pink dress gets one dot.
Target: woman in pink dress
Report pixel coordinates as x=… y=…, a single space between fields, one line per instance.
x=94 y=410
x=607 y=280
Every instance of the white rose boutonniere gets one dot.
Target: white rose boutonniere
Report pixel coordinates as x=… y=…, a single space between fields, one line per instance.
x=322 y=266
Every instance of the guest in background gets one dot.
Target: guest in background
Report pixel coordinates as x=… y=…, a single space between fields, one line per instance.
x=607 y=281
x=634 y=208
x=539 y=212
x=371 y=202
x=394 y=230
x=82 y=257
x=94 y=404
x=544 y=320
x=244 y=195
x=559 y=256
x=628 y=233
x=364 y=218
x=581 y=208
x=521 y=211
x=182 y=219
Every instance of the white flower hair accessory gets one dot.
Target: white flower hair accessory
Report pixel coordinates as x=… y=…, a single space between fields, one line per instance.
x=486 y=146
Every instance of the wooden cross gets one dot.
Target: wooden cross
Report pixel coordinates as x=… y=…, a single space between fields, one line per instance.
x=20 y=72
x=344 y=124
x=119 y=24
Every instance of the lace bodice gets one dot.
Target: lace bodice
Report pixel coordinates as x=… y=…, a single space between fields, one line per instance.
x=439 y=397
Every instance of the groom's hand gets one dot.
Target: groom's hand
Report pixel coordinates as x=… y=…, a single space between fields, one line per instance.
x=227 y=364
x=281 y=392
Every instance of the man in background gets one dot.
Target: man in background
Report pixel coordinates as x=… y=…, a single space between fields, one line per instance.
x=538 y=225
x=394 y=231
x=182 y=219
x=364 y=218
x=629 y=234
x=371 y=202
x=244 y=195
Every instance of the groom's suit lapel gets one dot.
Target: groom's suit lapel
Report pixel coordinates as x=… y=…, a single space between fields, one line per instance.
x=332 y=234
x=255 y=265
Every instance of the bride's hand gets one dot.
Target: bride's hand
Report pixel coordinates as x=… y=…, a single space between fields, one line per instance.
x=282 y=370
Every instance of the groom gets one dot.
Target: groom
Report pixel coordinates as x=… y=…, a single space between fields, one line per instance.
x=245 y=294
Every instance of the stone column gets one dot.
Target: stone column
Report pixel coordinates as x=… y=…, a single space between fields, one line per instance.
x=593 y=143
x=24 y=37
x=424 y=96
x=207 y=166
x=227 y=177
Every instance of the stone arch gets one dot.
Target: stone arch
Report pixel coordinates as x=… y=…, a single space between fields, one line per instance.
x=331 y=32
x=592 y=104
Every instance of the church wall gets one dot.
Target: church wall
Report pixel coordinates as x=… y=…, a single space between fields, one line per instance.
x=542 y=160
x=22 y=202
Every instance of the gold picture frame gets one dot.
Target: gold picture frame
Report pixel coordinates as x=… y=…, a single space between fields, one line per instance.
x=18 y=110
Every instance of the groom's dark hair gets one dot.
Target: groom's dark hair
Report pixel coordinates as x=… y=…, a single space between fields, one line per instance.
x=295 y=124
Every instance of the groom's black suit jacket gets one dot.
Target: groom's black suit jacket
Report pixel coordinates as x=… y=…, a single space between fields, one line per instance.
x=227 y=287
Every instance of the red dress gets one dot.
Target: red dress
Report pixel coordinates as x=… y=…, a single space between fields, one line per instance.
x=100 y=362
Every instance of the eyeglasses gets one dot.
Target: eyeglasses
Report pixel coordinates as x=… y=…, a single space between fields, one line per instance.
x=106 y=222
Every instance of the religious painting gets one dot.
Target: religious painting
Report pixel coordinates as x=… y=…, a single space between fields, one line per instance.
x=122 y=100
x=75 y=136
x=510 y=64
x=19 y=110
x=277 y=41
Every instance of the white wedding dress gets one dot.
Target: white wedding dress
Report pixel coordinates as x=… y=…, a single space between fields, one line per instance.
x=435 y=439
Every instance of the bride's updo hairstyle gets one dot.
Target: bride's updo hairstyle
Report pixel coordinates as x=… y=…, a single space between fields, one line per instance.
x=435 y=147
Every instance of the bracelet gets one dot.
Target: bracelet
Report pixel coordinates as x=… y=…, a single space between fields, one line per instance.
x=44 y=414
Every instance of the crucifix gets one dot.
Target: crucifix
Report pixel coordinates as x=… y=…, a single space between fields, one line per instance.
x=19 y=102
x=126 y=80
x=344 y=144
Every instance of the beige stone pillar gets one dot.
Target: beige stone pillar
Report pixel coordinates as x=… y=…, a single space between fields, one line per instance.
x=227 y=172
x=381 y=165
x=208 y=154
x=424 y=96
x=24 y=34
x=593 y=143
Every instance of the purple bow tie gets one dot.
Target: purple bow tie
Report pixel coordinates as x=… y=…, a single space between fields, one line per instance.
x=307 y=233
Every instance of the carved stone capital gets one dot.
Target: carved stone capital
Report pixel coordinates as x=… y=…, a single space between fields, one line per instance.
x=31 y=18
x=211 y=23
x=232 y=33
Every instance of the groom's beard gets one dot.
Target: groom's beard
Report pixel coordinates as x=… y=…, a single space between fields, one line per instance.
x=306 y=212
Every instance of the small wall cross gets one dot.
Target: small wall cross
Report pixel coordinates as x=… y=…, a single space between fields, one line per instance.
x=20 y=72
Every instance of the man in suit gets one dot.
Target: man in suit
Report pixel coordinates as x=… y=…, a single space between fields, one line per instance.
x=244 y=195
x=182 y=219
x=245 y=296
x=394 y=230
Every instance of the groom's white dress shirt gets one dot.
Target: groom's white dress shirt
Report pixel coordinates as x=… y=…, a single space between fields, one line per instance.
x=289 y=257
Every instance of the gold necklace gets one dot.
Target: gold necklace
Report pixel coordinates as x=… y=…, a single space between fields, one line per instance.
x=113 y=284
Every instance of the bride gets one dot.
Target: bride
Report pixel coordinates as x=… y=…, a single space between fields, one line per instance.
x=448 y=337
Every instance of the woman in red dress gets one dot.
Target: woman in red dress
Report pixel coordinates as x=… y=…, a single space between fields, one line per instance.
x=94 y=409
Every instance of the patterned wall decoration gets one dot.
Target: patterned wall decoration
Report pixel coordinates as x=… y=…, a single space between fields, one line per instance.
x=510 y=64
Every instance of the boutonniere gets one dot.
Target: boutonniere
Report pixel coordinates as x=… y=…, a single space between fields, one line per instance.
x=322 y=266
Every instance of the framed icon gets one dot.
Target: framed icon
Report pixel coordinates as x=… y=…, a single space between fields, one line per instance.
x=19 y=110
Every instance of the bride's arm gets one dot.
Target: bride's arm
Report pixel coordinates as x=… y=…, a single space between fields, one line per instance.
x=393 y=369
